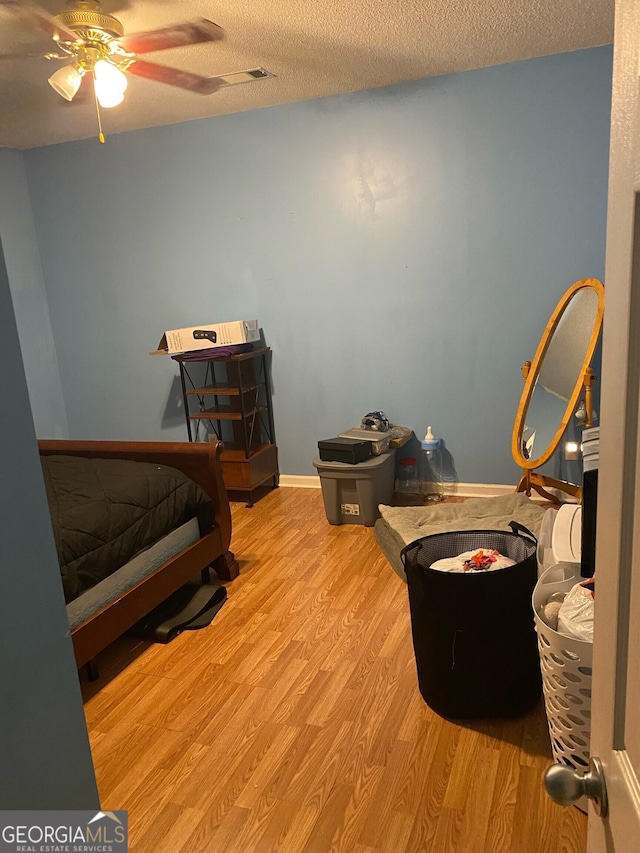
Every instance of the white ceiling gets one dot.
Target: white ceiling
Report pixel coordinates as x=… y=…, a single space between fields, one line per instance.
x=314 y=47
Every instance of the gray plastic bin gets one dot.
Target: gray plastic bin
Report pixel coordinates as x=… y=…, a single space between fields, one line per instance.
x=351 y=493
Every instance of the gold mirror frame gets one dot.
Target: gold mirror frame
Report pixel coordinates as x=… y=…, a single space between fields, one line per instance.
x=530 y=479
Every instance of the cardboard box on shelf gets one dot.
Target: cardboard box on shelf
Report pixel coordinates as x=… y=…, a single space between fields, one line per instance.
x=208 y=336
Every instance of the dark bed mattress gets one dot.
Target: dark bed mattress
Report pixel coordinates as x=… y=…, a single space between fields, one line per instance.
x=105 y=511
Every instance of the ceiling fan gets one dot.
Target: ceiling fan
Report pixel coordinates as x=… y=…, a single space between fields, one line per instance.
x=95 y=45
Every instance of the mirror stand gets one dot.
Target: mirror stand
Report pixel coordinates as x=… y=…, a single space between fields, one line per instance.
x=532 y=481
x=589 y=379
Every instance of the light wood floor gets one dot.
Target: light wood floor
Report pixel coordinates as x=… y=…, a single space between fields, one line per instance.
x=294 y=723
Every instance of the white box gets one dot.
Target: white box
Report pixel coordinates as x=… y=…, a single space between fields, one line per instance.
x=380 y=441
x=208 y=336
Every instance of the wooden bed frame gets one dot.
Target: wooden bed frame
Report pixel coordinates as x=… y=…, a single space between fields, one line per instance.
x=200 y=462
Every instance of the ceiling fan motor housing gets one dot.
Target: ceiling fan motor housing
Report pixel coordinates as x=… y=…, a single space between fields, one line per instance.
x=85 y=18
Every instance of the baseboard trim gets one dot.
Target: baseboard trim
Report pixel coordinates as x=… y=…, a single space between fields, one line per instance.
x=465 y=490
x=297 y=481
x=481 y=490
x=462 y=490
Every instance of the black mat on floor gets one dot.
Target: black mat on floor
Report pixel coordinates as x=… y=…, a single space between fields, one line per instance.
x=188 y=608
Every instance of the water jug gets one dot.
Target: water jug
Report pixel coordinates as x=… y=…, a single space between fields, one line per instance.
x=431 y=478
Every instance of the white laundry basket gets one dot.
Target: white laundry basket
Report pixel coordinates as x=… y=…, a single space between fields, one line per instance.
x=566 y=676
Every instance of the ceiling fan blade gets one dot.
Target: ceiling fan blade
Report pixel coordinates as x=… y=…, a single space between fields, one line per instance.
x=176 y=35
x=175 y=77
x=14 y=56
x=37 y=18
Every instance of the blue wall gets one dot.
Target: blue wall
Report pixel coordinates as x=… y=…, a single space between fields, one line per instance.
x=18 y=234
x=402 y=248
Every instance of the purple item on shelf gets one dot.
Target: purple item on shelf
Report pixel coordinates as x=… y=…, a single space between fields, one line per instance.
x=213 y=352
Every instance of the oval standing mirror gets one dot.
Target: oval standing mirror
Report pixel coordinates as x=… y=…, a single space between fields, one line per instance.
x=554 y=383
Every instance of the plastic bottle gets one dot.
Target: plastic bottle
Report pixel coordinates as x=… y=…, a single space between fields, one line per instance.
x=407 y=481
x=431 y=479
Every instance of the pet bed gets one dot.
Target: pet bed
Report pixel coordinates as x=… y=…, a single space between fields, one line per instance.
x=398 y=526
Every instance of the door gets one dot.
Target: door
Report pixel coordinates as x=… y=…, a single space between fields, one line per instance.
x=615 y=737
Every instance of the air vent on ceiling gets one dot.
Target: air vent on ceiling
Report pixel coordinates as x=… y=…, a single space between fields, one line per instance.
x=245 y=76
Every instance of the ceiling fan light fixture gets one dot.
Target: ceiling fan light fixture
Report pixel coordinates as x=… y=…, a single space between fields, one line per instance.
x=110 y=99
x=66 y=81
x=110 y=84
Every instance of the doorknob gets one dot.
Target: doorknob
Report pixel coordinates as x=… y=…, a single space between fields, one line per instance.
x=565 y=785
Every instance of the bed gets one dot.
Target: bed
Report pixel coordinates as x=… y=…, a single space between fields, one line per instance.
x=103 y=609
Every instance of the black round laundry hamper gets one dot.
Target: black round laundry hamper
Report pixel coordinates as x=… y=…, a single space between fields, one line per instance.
x=473 y=633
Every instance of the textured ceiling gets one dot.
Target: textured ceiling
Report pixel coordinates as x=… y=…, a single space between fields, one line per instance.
x=314 y=47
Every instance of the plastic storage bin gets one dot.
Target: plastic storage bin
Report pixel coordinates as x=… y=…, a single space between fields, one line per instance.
x=566 y=676
x=351 y=493
x=473 y=634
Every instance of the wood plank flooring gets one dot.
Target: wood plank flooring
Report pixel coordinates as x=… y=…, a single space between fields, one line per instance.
x=293 y=723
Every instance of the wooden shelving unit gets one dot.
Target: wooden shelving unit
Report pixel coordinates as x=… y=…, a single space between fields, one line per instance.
x=229 y=397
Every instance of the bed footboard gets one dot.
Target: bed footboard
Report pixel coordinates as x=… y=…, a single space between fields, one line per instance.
x=201 y=463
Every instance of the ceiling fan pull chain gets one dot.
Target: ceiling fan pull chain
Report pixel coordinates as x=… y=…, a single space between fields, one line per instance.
x=95 y=98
